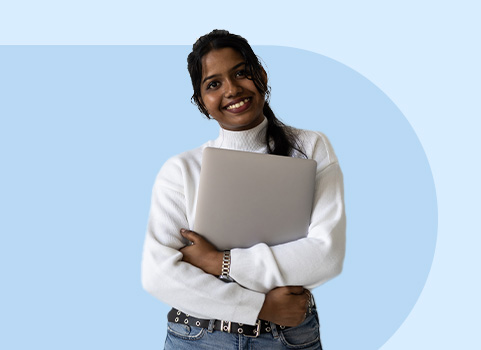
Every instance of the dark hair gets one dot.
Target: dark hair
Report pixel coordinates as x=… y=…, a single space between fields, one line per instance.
x=283 y=139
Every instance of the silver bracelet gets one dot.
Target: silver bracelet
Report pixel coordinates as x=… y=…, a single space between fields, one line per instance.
x=226 y=267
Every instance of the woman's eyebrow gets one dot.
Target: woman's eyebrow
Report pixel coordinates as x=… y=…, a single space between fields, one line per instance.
x=215 y=75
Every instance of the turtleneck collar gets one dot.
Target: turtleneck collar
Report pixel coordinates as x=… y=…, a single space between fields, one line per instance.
x=252 y=140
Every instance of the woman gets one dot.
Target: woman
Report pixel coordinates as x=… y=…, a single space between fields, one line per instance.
x=269 y=283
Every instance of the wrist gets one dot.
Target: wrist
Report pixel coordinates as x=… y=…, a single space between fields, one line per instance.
x=225 y=267
x=215 y=263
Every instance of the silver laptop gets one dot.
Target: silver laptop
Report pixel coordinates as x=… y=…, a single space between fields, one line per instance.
x=247 y=198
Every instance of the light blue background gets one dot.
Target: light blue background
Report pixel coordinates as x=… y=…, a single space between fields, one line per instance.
x=423 y=55
x=86 y=124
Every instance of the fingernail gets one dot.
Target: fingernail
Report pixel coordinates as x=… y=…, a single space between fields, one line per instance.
x=182 y=230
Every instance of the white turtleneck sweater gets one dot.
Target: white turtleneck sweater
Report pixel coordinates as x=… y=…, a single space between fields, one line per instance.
x=306 y=262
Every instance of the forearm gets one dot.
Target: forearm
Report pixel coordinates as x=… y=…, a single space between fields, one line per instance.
x=193 y=291
x=306 y=262
x=263 y=268
x=286 y=306
x=176 y=282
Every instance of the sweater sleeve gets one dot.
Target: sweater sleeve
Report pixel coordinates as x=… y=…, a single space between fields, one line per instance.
x=309 y=261
x=179 y=284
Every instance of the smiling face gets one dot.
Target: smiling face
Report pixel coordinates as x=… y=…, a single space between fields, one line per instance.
x=226 y=92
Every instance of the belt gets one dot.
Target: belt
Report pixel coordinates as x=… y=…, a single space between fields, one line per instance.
x=260 y=327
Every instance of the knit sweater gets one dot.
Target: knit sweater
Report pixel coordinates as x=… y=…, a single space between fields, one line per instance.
x=306 y=262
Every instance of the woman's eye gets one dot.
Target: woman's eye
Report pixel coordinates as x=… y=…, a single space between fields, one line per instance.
x=241 y=73
x=212 y=85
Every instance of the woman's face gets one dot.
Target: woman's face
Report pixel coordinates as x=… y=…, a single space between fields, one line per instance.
x=227 y=94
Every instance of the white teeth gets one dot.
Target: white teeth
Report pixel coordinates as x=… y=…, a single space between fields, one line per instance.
x=239 y=104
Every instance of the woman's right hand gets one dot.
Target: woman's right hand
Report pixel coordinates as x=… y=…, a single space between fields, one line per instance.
x=286 y=306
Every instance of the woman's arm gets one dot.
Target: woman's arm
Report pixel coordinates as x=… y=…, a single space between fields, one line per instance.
x=176 y=282
x=306 y=262
x=315 y=259
x=188 y=288
x=283 y=305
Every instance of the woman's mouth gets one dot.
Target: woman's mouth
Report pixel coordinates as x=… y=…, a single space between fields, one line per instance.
x=239 y=106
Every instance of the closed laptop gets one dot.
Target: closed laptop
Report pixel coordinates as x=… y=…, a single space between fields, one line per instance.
x=247 y=198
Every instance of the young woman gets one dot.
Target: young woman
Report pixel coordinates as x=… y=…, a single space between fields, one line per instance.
x=267 y=304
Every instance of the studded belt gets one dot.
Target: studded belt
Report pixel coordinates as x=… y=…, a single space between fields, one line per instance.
x=260 y=327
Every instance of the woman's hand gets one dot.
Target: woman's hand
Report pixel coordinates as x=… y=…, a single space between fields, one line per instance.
x=286 y=306
x=201 y=253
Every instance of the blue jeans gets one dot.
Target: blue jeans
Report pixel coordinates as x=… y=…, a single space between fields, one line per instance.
x=184 y=337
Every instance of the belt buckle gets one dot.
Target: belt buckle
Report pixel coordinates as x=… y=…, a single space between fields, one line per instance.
x=225 y=328
x=257 y=331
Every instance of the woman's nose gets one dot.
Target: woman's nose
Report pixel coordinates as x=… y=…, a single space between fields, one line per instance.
x=232 y=88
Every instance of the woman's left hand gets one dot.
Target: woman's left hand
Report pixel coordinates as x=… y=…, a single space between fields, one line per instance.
x=201 y=253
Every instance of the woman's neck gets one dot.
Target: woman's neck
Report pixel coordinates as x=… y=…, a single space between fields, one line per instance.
x=253 y=140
